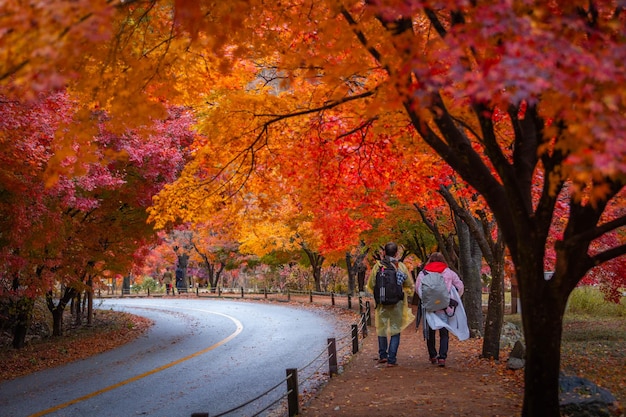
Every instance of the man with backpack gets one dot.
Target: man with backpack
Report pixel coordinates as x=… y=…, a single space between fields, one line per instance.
x=389 y=282
x=440 y=290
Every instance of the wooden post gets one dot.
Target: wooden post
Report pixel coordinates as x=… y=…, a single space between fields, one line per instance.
x=349 y=302
x=292 y=392
x=241 y=292
x=355 y=339
x=332 y=357
x=360 y=304
x=514 y=298
x=310 y=296
x=368 y=311
x=364 y=320
x=332 y=298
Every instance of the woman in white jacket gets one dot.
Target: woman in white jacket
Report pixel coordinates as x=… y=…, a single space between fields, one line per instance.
x=441 y=320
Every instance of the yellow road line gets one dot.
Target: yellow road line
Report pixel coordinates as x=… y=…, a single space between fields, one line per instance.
x=153 y=371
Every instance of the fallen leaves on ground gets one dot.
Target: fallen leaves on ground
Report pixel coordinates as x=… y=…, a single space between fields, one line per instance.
x=109 y=330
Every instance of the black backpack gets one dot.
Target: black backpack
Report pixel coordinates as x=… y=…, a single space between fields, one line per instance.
x=387 y=291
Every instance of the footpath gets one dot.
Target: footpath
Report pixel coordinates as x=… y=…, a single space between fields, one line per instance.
x=466 y=386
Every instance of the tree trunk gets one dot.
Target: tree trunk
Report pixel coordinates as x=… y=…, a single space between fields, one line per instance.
x=57 y=310
x=182 y=281
x=77 y=302
x=218 y=274
x=361 y=272
x=19 y=335
x=24 y=310
x=316 y=260
x=495 y=310
x=470 y=258
x=542 y=331
x=317 y=277
x=90 y=301
x=356 y=270
x=57 y=322
x=212 y=277
x=352 y=271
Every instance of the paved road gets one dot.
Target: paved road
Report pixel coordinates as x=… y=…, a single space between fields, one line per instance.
x=200 y=356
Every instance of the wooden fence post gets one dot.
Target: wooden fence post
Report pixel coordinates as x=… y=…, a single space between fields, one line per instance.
x=368 y=311
x=332 y=357
x=355 y=339
x=364 y=320
x=292 y=392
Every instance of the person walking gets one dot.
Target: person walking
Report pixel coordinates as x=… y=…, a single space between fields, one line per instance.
x=167 y=279
x=391 y=319
x=445 y=320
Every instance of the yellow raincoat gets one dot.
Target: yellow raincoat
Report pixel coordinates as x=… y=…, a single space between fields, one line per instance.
x=391 y=320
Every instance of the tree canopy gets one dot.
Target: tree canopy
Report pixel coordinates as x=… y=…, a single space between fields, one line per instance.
x=347 y=105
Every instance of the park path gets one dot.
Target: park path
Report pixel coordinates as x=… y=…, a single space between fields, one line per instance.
x=467 y=386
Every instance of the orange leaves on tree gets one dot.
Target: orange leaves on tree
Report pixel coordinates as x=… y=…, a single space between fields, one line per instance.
x=188 y=14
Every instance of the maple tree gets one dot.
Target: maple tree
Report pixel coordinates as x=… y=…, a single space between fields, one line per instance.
x=209 y=246
x=58 y=239
x=456 y=74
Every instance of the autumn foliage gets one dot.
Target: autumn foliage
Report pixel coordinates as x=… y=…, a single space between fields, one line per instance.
x=316 y=118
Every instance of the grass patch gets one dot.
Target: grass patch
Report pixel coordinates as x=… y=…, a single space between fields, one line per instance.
x=507 y=298
x=590 y=301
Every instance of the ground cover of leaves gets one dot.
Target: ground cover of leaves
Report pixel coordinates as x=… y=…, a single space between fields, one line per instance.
x=467 y=386
x=109 y=330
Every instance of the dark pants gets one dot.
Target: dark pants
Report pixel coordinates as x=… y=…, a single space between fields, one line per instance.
x=389 y=354
x=444 y=337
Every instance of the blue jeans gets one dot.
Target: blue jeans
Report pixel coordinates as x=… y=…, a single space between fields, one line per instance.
x=389 y=354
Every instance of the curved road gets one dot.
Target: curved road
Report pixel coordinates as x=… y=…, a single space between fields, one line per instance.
x=200 y=356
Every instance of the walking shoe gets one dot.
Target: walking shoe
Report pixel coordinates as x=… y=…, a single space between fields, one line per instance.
x=433 y=361
x=392 y=365
x=382 y=360
x=441 y=362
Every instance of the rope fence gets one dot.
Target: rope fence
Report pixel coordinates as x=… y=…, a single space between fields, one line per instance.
x=350 y=343
x=345 y=300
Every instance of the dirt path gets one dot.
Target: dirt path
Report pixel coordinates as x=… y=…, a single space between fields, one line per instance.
x=467 y=386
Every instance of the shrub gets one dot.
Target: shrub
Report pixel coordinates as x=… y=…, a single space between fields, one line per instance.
x=150 y=284
x=590 y=300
